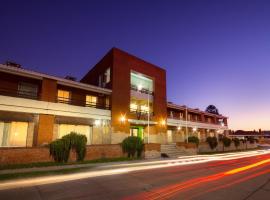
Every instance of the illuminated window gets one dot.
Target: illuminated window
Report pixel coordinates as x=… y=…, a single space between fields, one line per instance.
x=13 y=134
x=133 y=107
x=144 y=108
x=63 y=96
x=91 y=100
x=107 y=102
x=141 y=82
x=64 y=129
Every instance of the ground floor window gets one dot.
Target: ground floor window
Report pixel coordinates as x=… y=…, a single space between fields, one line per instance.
x=13 y=134
x=65 y=129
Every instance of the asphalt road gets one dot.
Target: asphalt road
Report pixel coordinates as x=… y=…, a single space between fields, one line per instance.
x=239 y=179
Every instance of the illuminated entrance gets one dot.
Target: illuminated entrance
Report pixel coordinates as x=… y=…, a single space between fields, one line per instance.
x=137 y=131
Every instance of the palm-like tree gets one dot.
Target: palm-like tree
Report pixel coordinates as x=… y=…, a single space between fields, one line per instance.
x=212 y=109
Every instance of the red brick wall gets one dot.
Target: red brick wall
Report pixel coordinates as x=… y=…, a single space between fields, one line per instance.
x=152 y=147
x=45 y=129
x=41 y=154
x=48 y=90
x=122 y=64
x=23 y=155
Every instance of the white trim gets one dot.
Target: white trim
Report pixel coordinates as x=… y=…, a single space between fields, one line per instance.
x=135 y=121
x=176 y=123
x=15 y=104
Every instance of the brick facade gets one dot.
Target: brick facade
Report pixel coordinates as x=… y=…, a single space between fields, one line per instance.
x=41 y=154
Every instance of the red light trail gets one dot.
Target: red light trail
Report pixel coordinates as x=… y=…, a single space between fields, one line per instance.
x=171 y=190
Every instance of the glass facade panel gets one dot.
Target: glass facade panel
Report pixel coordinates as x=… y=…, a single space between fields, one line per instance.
x=141 y=82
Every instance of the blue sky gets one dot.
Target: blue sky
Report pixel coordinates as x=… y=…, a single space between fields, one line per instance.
x=215 y=52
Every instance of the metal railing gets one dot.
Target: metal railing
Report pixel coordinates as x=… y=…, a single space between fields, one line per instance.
x=19 y=93
x=141 y=115
x=80 y=102
x=192 y=120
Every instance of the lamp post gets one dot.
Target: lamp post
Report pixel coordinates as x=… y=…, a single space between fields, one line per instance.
x=148 y=117
x=186 y=125
x=148 y=111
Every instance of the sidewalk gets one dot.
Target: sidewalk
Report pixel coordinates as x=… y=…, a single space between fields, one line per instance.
x=134 y=163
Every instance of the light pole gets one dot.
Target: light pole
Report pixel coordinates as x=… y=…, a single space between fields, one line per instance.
x=148 y=135
x=186 y=125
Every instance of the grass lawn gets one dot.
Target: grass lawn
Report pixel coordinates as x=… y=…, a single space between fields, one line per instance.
x=48 y=164
x=32 y=174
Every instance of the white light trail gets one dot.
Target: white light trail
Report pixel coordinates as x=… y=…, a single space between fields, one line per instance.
x=125 y=168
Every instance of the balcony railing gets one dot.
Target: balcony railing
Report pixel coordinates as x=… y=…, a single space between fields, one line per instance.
x=141 y=115
x=144 y=91
x=192 y=120
x=80 y=102
x=18 y=93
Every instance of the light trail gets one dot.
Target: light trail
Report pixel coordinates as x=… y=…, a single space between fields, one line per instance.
x=171 y=190
x=126 y=168
x=230 y=184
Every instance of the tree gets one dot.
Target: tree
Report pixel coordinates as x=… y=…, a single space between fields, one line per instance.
x=212 y=109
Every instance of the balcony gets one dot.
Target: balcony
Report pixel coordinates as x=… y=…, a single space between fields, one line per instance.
x=80 y=102
x=19 y=93
x=141 y=115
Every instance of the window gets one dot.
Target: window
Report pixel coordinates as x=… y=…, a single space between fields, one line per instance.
x=65 y=129
x=107 y=102
x=27 y=90
x=91 y=100
x=144 y=108
x=63 y=96
x=13 y=134
x=133 y=107
x=108 y=75
x=141 y=82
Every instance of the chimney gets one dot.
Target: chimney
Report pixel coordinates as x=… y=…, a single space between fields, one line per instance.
x=71 y=78
x=13 y=64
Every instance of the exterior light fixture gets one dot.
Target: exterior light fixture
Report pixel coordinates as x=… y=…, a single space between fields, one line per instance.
x=122 y=119
x=163 y=122
x=194 y=129
x=97 y=122
x=179 y=128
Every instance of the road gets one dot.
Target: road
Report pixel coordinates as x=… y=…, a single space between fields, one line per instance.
x=241 y=177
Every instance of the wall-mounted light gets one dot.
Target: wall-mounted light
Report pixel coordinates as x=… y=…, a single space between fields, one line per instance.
x=122 y=119
x=162 y=122
x=194 y=129
x=179 y=128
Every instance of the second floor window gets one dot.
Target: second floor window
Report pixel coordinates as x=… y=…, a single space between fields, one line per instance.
x=63 y=96
x=91 y=100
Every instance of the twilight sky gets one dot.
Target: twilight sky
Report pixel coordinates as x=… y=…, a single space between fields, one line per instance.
x=215 y=52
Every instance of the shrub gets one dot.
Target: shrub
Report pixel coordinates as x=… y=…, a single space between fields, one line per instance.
x=226 y=141
x=60 y=148
x=236 y=142
x=212 y=141
x=193 y=139
x=133 y=146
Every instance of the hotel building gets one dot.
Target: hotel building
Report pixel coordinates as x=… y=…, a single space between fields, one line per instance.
x=121 y=95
